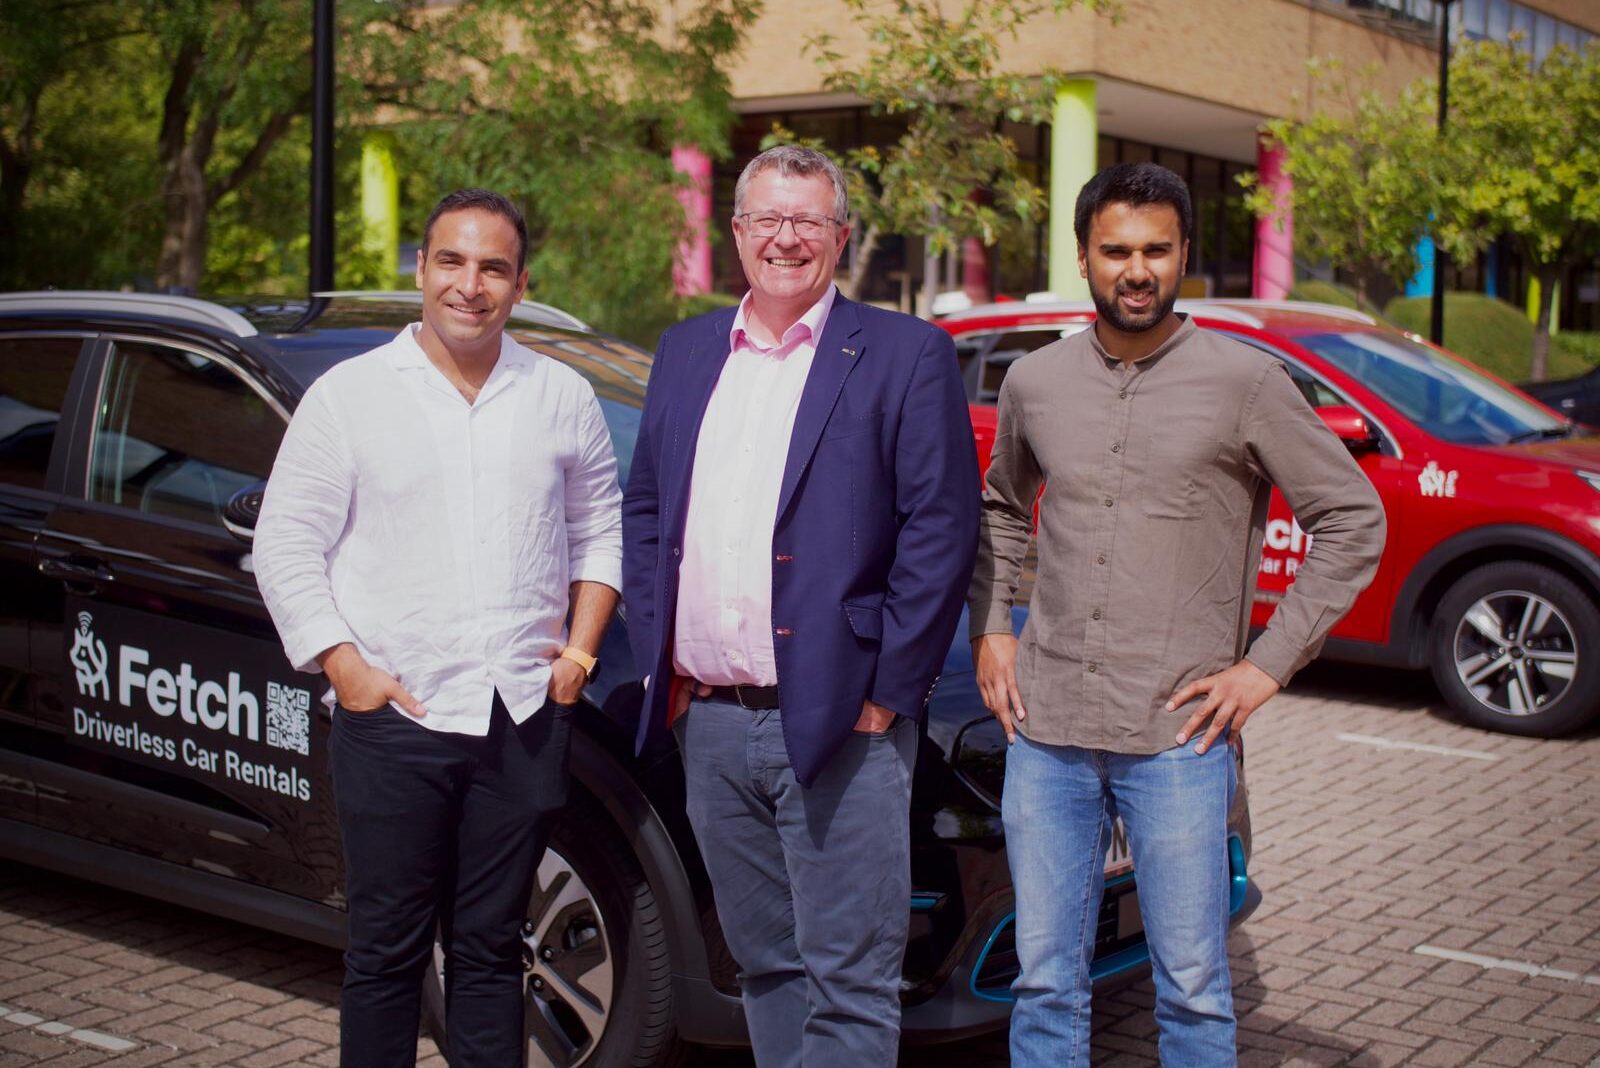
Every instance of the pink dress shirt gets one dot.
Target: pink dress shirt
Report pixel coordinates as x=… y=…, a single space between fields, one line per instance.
x=723 y=628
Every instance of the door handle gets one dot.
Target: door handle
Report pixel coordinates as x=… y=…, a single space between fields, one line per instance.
x=90 y=573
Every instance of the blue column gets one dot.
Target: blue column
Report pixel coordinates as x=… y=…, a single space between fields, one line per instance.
x=1421 y=284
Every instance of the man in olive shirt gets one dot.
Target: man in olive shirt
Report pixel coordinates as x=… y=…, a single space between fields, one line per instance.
x=1160 y=443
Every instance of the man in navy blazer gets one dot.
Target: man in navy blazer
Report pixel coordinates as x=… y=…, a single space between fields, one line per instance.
x=799 y=526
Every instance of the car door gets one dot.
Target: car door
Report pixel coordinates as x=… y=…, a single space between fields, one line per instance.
x=36 y=371
x=172 y=725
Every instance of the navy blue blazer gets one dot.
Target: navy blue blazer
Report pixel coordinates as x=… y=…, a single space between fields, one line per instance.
x=876 y=530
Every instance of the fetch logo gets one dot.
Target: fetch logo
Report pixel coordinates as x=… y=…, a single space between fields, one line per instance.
x=1437 y=483
x=88 y=659
x=206 y=703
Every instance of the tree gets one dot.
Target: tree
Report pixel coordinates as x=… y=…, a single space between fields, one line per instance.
x=572 y=108
x=940 y=74
x=43 y=44
x=1524 y=148
x=1365 y=178
x=236 y=74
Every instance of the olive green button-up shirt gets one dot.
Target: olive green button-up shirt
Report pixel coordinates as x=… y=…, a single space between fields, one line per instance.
x=1149 y=534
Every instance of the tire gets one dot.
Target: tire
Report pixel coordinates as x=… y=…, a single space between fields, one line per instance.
x=1542 y=683
x=597 y=974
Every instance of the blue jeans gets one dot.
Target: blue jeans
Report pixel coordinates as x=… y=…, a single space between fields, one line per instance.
x=1058 y=805
x=812 y=884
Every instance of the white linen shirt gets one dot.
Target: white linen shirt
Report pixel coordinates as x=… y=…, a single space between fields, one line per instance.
x=440 y=537
x=722 y=633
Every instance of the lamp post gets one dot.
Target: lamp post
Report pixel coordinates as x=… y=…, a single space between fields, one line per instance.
x=322 y=75
x=1436 y=323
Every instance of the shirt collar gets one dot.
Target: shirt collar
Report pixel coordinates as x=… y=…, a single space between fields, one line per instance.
x=407 y=355
x=810 y=323
x=1185 y=328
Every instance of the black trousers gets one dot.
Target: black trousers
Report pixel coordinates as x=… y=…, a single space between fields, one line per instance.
x=441 y=832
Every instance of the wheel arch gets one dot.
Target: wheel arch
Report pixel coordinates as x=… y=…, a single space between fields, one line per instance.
x=1453 y=558
x=600 y=775
x=703 y=1013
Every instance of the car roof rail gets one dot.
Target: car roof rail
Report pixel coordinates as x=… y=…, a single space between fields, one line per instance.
x=1080 y=307
x=165 y=305
x=1332 y=311
x=525 y=311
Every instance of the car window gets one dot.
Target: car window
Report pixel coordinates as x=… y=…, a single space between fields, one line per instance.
x=177 y=433
x=34 y=373
x=1004 y=349
x=1316 y=393
x=1442 y=396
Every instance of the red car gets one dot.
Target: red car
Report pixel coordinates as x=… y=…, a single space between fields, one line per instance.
x=1491 y=574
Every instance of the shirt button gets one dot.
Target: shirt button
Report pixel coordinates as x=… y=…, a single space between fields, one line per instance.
x=1123 y=395
x=1093 y=668
x=1097 y=613
x=1108 y=502
x=1116 y=446
x=1099 y=559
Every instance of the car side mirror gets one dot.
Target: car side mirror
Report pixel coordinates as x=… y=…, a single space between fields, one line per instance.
x=1350 y=427
x=243 y=511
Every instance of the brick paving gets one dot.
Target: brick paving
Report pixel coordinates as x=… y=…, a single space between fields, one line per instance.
x=1364 y=853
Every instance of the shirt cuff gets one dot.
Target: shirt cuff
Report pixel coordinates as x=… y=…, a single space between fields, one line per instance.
x=991 y=618
x=308 y=642
x=1273 y=655
x=604 y=568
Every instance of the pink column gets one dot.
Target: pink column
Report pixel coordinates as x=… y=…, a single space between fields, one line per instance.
x=691 y=273
x=1274 y=262
x=975 y=270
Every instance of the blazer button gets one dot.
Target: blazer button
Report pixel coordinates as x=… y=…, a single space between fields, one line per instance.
x=782 y=632
x=783 y=558
x=676 y=551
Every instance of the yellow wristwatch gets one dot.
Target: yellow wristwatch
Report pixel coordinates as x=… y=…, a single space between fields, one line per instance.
x=590 y=664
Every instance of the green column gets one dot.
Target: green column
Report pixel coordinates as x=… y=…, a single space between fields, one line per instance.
x=1074 y=154
x=380 y=210
x=1555 y=306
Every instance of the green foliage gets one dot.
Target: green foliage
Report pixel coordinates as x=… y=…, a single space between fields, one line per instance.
x=571 y=107
x=1523 y=160
x=1315 y=289
x=1493 y=334
x=940 y=74
x=1364 y=178
x=194 y=170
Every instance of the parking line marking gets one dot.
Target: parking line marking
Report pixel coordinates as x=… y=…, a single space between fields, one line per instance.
x=1525 y=968
x=104 y=1041
x=56 y=1028
x=1416 y=747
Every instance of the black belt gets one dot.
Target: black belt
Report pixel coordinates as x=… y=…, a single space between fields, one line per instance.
x=755 y=698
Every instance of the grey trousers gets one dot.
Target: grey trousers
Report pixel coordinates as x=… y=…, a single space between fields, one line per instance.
x=812 y=884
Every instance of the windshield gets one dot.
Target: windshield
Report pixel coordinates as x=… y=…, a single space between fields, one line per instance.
x=1443 y=397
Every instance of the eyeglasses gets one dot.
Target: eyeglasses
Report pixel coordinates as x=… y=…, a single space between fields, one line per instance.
x=807 y=227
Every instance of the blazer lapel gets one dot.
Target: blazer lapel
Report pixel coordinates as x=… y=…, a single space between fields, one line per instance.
x=836 y=356
x=703 y=367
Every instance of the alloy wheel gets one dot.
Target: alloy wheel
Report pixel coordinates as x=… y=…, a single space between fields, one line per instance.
x=1515 y=652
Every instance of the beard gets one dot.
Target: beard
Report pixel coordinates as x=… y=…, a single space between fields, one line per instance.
x=1109 y=310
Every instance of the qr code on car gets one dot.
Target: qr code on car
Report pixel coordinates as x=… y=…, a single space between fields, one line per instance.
x=288 y=718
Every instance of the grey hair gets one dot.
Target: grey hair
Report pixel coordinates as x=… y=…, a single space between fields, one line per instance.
x=794 y=161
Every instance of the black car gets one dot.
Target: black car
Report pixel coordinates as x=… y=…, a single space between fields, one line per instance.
x=1576 y=398
x=153 y=735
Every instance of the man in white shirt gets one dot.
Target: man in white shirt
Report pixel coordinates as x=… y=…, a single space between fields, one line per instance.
x=437 y=506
